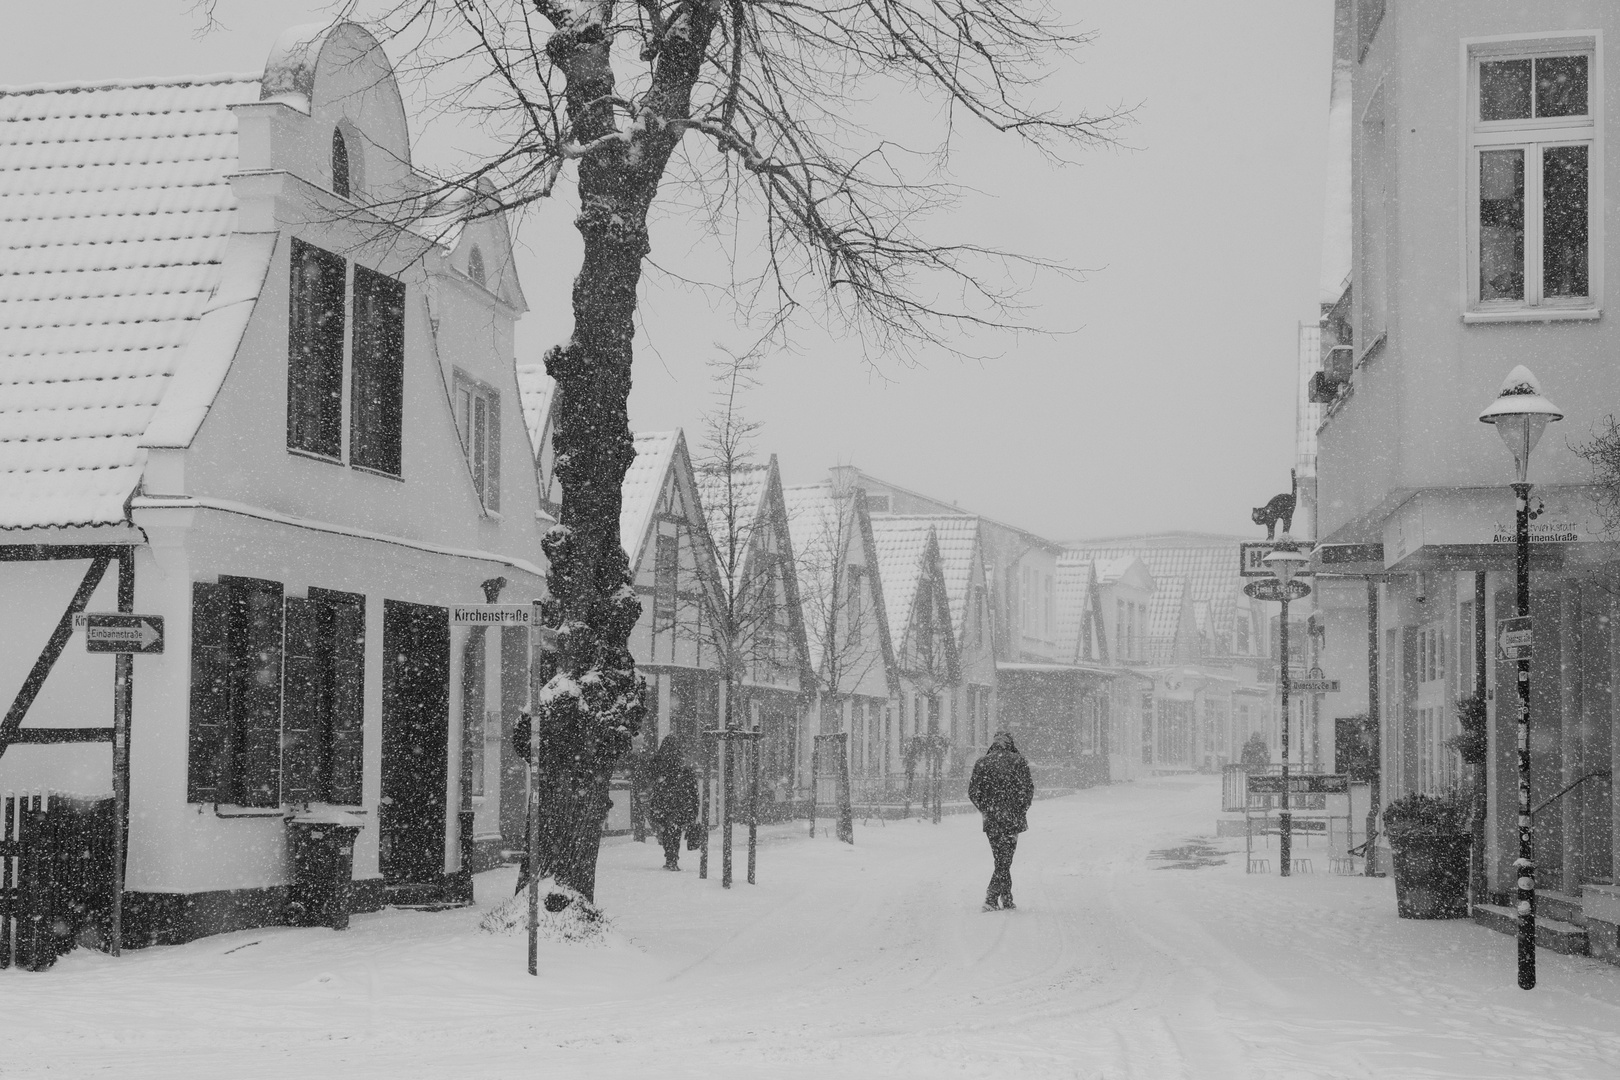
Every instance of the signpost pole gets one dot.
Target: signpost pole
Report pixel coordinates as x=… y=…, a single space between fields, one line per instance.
x=1286 y=841
x=753 y=801
x=1525 y=864
x=534 y=846
x=122 y=664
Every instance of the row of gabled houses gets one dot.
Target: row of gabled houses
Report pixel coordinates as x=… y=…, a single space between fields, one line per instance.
x=237 y=398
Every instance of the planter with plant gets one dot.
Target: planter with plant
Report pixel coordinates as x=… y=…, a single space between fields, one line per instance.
x=1428 y=836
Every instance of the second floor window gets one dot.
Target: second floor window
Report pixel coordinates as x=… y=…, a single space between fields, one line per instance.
x=478 y=418
x=1531 y=207
x=320 y=347
x=315 y=351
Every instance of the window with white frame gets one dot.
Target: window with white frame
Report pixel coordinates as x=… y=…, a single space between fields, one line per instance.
x=478 y=419
x=1533 y=172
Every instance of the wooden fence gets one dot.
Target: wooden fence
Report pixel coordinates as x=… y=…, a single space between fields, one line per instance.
x=55 y=874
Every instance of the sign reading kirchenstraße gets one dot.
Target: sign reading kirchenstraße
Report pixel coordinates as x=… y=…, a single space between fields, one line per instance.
x=1514 y=638
x=118 y=632
x=492 y=615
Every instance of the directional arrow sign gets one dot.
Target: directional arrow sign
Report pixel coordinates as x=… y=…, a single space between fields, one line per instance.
x=115 y=632
x=1513 y=638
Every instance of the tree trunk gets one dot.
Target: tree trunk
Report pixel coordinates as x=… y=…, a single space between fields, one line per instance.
x=593 y=701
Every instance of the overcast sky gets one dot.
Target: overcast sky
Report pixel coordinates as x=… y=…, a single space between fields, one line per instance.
x=1168 y=406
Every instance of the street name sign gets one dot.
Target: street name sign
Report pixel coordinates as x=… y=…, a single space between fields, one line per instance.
x=492 y=615
x=117 y=632
x=1314 y=686
x=1307 y=783
x=1513 y=638
x=1271 y=589
x=1251 y=559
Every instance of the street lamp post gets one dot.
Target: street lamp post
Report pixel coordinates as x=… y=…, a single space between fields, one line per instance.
x=1521 y=414
x=1284 y=562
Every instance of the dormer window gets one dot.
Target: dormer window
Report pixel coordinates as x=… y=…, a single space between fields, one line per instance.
x=475 y=265
x=340 y=163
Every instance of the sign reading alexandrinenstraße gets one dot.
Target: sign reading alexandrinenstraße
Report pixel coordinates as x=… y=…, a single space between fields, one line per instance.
x=116 y=632
x=492 y=615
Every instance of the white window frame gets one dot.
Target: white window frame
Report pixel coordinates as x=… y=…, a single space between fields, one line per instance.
x=1532 y=135
x=465 y=395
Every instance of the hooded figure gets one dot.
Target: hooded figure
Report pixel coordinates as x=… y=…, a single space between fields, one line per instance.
x=672 y=797
x=1002 y=790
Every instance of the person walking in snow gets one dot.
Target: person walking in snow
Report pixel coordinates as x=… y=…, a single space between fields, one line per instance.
x=1001 y=790
x=672 y=797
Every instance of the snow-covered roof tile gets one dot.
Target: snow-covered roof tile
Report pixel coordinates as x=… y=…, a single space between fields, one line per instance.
x=1072 y=594
x=1208 y=564
x=114 y=217
x=958 y=538
x=1164 y=608
x=818 y=522
x=643 y=484
x=746 y=485
x=535 y=391
x=901 y=544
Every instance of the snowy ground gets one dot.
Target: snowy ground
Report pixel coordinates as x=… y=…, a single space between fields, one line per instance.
x=872 y=960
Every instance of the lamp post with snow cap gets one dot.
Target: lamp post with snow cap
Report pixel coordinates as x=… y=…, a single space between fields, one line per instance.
x=1521 y=414
x=1284 y=562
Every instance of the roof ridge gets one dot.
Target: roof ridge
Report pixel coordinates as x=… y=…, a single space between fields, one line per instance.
x=141 y=83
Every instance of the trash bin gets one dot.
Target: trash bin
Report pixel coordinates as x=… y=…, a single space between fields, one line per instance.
x=320 y=853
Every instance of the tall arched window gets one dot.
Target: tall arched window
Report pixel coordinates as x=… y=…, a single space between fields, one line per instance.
x=475 y=264
x=340 y=163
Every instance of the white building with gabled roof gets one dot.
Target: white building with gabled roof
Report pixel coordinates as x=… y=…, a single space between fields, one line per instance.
x=847 y=630
x=235 y=396
x=746 y=513
x=1183 y=622
x=666 y=539
x=937 y=597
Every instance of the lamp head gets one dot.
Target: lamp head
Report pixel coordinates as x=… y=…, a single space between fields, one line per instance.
x=1521 y=414
x=1285 y=560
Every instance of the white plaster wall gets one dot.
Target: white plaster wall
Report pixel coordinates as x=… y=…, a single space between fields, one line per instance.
x=181 y=847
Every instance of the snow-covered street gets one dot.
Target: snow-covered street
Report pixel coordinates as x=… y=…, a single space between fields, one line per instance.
x=872 y=960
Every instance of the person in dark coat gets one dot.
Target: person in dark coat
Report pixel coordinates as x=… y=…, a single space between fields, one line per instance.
x=672 y=797
x=1002 y=790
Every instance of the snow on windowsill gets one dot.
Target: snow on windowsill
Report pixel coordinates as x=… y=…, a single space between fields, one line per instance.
x=1533 y=315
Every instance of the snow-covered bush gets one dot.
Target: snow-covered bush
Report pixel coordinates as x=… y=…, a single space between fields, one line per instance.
x=1414 y=817
x=565 y=916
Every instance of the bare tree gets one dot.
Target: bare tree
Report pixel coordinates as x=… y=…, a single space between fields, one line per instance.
x=750 y=631
x=1602 y=454
x=771 y=93
x=842 y=618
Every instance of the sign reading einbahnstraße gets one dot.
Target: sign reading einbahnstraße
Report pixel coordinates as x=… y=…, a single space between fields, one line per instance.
x=116 y=632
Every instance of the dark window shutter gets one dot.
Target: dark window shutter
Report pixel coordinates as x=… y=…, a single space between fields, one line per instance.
x=348 y=651
x=492 y=466
x=209 y=751
x=377 y=396
x=315 y=351
x=256 y=642
x=304 y=704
